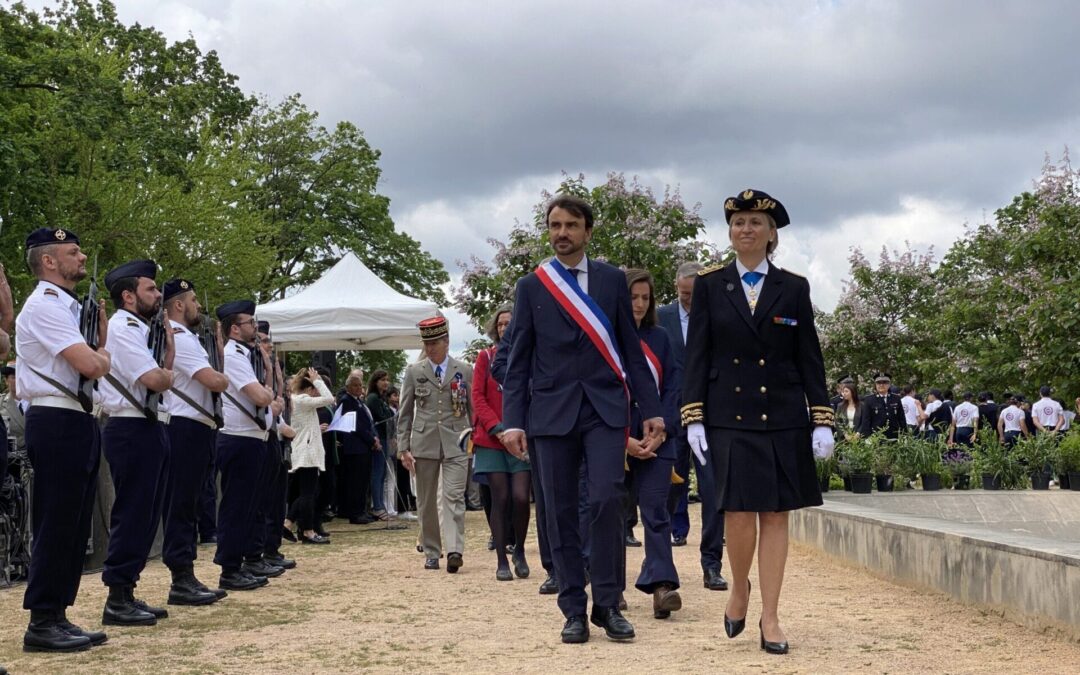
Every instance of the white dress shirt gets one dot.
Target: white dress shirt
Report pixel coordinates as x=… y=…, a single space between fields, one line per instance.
x=965 y=415
x=240 y=373
x=1012 y=417
x=583 y=273
x=911 y=410
x=1047 y=411
x=190 y=358
x=131 y=359
x=47 y=325
x=763 y=268
x=684 y=321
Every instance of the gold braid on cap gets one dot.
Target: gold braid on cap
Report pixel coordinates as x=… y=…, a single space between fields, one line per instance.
x=692 y=412
x=822 y=416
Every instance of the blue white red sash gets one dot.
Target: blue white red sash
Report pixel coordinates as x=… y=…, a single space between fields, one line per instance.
x=655 y=367
x=584 y=311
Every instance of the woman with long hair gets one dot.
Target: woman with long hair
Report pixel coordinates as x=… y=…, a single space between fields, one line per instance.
x=381 y=414
x=848 y=410
x=508 y=477
x=753 y=367
x=309 y=393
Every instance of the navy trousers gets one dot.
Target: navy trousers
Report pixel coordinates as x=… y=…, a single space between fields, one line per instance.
x=241 y=461
x=64 y=448
x=712 y=520
x=678 y=504
x=191 y=451
x=963 y=436
x=541 y=512
x=208 y=495
x=138 y=454
x=276 y=498
x=652 y=482
x=263 y=503
x=602 y=449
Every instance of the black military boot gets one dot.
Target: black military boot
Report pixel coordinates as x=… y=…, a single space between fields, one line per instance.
x=185 y=589
x=97 y=637
x=44 y=634
x=158 y=612
x=121 y=611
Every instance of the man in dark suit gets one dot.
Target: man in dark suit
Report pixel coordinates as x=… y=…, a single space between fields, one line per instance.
x=356 y=451
x=675 y=318
x=574 y=359
x=882 y=410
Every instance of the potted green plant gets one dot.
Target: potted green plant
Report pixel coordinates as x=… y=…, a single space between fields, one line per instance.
x=992 y=462
x=883 y=465
x=926 y=461
x=958 y=466
x=856 y=462
x=1037 y=453
x=825 y=469
x=1068 y=459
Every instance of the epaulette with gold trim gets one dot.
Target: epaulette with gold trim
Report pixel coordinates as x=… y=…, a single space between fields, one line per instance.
x=709 y=269
x=822 y=416
x=133 y=322
x=691 y=413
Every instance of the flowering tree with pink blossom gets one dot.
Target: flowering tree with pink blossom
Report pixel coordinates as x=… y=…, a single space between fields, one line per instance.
x=633 y=229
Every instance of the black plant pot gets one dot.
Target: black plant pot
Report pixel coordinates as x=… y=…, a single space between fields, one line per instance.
x=962 y=482
x=1074 y=480
x=931 y=482
x=884 y=482
x=824 y=483
x=1063 y=480
x=861 y=483
x=1040 y=480
x=847 y=483
x=991 y=482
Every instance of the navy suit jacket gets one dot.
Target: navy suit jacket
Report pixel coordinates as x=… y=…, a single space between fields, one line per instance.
x=549 y=349
x=658 y=341
x=668 y=318
x=363 y=439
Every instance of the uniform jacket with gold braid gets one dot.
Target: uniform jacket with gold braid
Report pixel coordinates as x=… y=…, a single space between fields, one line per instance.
x=757 y=371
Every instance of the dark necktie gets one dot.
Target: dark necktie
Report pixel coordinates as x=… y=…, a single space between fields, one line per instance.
x=574 y=272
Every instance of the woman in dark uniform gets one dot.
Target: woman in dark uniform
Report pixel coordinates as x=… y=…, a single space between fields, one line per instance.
x=651 y=465
x=753 y=367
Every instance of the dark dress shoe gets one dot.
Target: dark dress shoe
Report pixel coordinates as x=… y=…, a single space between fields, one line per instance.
x=96 y=637
x=431 y=564
x=550 y=586
x=615 y=626
x=733 y=627
x=362 y=520
x=288 y=534
x=665 y=601
x=772 y=647
x=491 y=543
x=321 y=531
x=454 y=563
x=280 y=561
x=261 y=581
x=187 y=591
x=504 y=574
x=313 y=539
x=212 y=539
x=521 y=568
x=714 y=581
x=678 y=540
x=238 y=581
x=260 y=568
x=576 y=630
x=120 y=610
x=632 y=541
x=44 y=634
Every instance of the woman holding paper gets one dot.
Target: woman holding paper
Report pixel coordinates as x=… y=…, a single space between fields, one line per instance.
x=309 y=393
x=753 y=368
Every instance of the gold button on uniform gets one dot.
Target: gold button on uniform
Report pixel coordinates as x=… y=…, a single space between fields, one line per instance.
x=738 y=389
x=736 y=362
x=761 y=362
x=763 y=390
x=738 y=418
x=764 y=418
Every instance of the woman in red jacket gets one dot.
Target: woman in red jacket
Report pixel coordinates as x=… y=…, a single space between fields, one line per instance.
x=508 y=477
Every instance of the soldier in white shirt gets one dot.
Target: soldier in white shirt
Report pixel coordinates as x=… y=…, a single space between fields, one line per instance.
x=62 y=438
x=190 y=404
x=1046 y=412
x=134 y=439
x=241 y=445
x=1011 y=423
x=965 y=422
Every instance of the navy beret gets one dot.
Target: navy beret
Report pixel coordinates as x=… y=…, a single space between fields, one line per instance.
x=235 y=307
x=174 y=287
x=756 y=200
x=44 y=236
x=264 y=327
x=135 y=268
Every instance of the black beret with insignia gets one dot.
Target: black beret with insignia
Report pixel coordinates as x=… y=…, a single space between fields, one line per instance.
x=174 y=287
x=135 y=268
x=44 y=236
x=264 y=327
x=235 y=307
x=756 y=200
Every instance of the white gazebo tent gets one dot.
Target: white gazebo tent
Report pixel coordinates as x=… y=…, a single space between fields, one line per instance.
x=348 y=308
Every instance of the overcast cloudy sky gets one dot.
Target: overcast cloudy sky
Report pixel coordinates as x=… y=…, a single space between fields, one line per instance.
x=874 y=122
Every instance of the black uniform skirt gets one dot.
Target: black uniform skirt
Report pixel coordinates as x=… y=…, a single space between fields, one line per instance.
x=763 y=471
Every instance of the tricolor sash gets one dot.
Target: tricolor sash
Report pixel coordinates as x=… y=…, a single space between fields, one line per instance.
x=655 y=367
x=584 y=311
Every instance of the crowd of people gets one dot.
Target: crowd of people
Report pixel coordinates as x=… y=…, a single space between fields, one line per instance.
x=591 y=406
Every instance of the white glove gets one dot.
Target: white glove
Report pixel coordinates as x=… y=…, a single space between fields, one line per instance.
x=823 y=443
x=695 y=435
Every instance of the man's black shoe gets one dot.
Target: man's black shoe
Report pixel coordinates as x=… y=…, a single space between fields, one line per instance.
x=260 y=580
x=678 y=540
x=714 y=581
x=615 y=626
x=631 y=540
x=44 y=634
x=550 y=586
x=186 y=591
x=212 y=539
x=362 y=520
x=120 y=610
x=281 y=561
x=431 y=564
x=454 y=563
x=238 y=581
x=260 y=568
x=576 y=630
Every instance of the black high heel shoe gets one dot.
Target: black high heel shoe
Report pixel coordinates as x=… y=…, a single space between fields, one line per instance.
x=772 y=647
x=735 y=626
